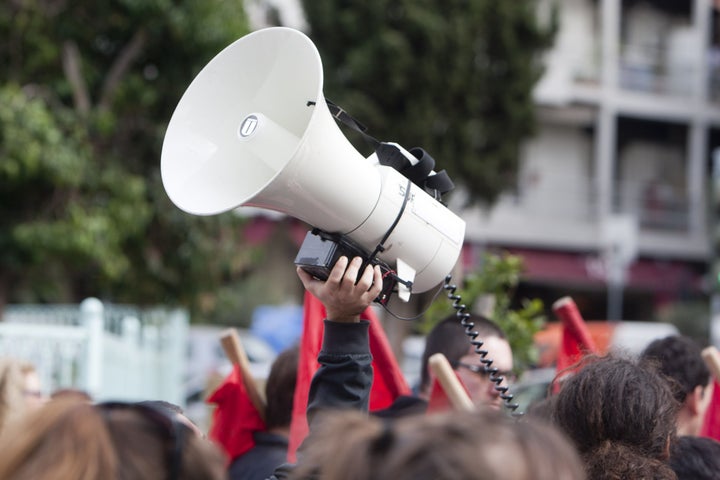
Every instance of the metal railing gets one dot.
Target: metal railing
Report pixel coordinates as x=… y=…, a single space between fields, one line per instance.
x=111 y=352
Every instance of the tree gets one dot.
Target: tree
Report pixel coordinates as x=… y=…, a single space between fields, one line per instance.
x=87 y=91
x=452 y=76
x=59 y=210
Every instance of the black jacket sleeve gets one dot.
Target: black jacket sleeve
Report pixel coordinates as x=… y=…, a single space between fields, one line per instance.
x=344 y=378
x=345 y=375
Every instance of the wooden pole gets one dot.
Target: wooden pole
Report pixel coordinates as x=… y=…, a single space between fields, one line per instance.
x=230 y=341
x=459 y=399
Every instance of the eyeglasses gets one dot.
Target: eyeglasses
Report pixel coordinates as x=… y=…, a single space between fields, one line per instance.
x=172 y=429
x=482 y=371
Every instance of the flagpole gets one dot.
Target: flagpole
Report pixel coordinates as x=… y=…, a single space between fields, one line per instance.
x=441 y=368
x=230 y=341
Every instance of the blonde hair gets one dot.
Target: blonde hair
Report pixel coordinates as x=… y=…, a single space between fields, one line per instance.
x=71 y=438
x=12 y=389
x=63 y=439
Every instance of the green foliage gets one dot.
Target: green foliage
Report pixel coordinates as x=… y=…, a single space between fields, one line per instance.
x=452 y=76
x=57 y=205
x=36 y=144
x=86 y=94
x=497 y=279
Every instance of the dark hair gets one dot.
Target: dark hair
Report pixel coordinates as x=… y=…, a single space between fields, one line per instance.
x=280 y=387
x=448 y=337
x=695 y=458
x=444 y=446
x=612 y=409
x=680 y=359
x=169 y=408
x=616 y=461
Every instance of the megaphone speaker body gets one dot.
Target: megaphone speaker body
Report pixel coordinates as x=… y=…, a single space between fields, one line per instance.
x=253 y=129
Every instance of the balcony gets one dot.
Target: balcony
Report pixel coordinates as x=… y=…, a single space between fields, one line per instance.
x=662 y=53
x=567 y=219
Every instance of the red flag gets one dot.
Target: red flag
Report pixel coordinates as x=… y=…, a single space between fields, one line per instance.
x=235 y=417
x=388 y=380
x=711 y=422
x=576 y=339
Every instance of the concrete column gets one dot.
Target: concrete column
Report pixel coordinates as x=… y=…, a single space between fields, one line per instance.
x=696 y=181
x=606 y=123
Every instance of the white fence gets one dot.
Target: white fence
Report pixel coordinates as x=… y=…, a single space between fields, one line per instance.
x=111 y=352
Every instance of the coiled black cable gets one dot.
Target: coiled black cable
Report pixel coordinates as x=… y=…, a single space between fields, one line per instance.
x=464 y=316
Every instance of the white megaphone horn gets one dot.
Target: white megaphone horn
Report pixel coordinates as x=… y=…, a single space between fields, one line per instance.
x=254 y=129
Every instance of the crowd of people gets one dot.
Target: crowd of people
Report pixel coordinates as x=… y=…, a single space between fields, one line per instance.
x=614 y=417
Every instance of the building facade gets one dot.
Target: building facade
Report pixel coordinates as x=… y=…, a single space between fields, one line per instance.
x=613 y=189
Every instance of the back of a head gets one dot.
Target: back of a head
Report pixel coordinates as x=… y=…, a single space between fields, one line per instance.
x=448 y=337
x=448 y=446
x=70 y=438
x=695 y=458
x=151 y=442
x=680 y=359
x=614 y=401
x=279 y=387
x=616 y=461
x=64 y=439
x=167 y=407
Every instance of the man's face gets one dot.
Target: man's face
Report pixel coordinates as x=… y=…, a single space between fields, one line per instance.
x=469 y=369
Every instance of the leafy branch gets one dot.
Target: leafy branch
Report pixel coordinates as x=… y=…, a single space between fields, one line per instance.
x=490 y=291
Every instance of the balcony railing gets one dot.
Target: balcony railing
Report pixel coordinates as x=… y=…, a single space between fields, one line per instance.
x=659 y=207
x=656 y=70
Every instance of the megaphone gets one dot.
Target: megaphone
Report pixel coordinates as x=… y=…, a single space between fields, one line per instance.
x=254 y=129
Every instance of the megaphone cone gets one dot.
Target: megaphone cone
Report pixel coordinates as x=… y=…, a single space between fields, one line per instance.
x=253 y=129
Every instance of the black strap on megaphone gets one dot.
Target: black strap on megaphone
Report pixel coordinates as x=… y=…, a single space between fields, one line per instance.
x=347 y=119
x=420 y=172
x=390 y=155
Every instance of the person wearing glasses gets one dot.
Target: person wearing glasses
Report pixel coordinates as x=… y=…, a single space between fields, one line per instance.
x=346 y=442
x=448 y=337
